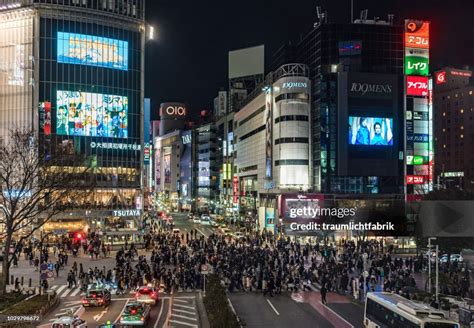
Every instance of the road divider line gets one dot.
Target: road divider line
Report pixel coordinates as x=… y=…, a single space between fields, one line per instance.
x=337 y=314
x=121 y=312
x=271 y=305
x=160 y=313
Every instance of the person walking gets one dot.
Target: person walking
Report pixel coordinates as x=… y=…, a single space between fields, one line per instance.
x=324 y=292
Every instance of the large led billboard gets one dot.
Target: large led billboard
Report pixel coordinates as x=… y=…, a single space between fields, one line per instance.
x=371 y=131
x=91 y=114
x=83 y=49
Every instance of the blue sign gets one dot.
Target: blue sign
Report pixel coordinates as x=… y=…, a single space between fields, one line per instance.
x=83 y=49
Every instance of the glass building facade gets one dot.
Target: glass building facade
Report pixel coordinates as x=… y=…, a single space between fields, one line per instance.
x=329 y=49
x=73 y=70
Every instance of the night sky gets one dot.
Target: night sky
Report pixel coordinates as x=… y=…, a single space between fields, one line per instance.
x=188 y=60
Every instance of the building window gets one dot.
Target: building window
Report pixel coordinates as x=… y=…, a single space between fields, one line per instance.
x=291 y=140
x=461 y=111
x=292 y=162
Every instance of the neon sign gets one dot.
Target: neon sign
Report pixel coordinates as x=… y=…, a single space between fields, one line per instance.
x=417 y=86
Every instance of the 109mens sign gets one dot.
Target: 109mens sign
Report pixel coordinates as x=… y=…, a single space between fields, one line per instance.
x=173 y=110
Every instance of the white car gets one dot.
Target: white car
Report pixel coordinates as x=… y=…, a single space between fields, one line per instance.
x=71 y=322
x=196 y=219
x=205 y=220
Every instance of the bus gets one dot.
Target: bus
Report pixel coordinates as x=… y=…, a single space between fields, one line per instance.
x=388 y=310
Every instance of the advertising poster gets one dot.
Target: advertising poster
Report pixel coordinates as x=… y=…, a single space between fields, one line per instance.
x=167 y=167
x=371 y=131
x=268 y=136
x=270 y=219
x=74 y=48
x=91 y=114
x=417 y=86
x=45 y=117
x=417 y=34
x=158 y=169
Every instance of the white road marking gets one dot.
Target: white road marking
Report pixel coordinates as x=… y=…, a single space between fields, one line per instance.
x=183 y=316
x=67 y=291
x=54 y=287
x=159 y=314
x=200 y=231
x=60 y=289
x=188 y=312
x=337 y=314
x=99 y=315
x=271 y=305
x=184 y=323
x=185 y=306
x=121 y=312
x=77 y=291
x=185 y=297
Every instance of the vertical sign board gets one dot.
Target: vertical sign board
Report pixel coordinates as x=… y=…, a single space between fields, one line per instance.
x=158 y=169
x=235 y=189
x=268 y=134
x=419 y=134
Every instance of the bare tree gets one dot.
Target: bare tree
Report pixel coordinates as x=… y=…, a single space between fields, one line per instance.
x=33 y=189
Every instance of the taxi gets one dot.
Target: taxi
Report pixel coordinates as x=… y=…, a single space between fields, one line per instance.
x=97 y=297
x=147 y=295
x=135 y=314
x=69 y=322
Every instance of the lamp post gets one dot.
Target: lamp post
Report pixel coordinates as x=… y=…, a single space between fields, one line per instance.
x=40 y=256
x=429 y=264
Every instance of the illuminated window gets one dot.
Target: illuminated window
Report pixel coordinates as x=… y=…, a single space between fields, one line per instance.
x=449 y=97
x=444 y=130
x=462 y=136
x=462 y=127
x=470 y=93
x=462 y=111
x=444 y=113
x=444 y=146
x=456 y=95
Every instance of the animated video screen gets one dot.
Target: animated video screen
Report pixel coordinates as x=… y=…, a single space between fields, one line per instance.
x=74 y=48
x=91 y=114
x=370 y=131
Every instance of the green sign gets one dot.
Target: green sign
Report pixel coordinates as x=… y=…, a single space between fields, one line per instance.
x=418 y=160
x=409 y=160
x=415 y=65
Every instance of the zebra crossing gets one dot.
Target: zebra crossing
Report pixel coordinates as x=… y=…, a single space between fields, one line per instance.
x=184 y=313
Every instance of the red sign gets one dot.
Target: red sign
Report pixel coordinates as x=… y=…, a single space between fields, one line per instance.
x=461 y=73
x=441 y=77
x=417 y=86
x=235 y=188
x=417 y=34
x=415 y=179
x=47 y=118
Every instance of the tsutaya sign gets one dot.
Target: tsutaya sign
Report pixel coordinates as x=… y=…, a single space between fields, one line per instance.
x=126 y=213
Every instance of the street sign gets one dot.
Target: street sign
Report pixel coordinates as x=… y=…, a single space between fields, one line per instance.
x=204 y=269
x=50 y=274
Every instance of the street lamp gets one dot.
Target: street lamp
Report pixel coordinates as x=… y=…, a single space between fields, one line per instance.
x=429 y=267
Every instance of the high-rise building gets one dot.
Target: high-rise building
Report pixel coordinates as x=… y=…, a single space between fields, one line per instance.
x=73 y=71
x=357 y=104
x=454 y=127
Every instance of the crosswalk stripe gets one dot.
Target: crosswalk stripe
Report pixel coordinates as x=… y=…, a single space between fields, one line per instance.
x=184 y=306
x=188 y=312
x=60 y=289
x=184 y=323
x=67 y=291
x=54 y=287
x=76 y=291
x=181 y=300
x=183 y=316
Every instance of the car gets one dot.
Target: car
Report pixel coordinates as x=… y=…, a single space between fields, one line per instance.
x=135 y=314
x=196 y=219
x=238 y=235
x=205 y=220
x=97 y=297
x=69 y=322
x=214 y=224
x=224 y=231
x=147 y=295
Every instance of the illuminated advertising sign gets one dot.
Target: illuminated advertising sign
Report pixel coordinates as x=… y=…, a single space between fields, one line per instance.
x=461 y=73
x=417 y=34
x=441 y=77
x=172 y=110
x=167 y=167
x=157 y=169
x=45 y=117
x=268 y=136
x=269 y=218
x=91 y=114
x=415 y=179
x=409 y=160
x=235 y=188
x=416 y=65
x=417 y=86
x=418 y=137
x=350 y=48
x=423 y=170
x=370 y=131
x=146 y=152
x=418 y=160
x=74 y=48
